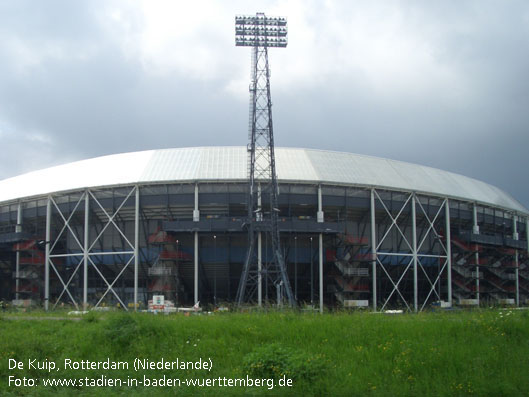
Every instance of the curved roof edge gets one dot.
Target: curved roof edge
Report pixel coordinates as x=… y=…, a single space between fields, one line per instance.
x=229 y=163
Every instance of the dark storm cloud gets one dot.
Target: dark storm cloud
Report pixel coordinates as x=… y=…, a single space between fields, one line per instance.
x=48 y=50
x=477 y=128
x=68 y=89
x=437 y=83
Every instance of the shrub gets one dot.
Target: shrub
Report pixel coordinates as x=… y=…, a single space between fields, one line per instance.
x=274 y=361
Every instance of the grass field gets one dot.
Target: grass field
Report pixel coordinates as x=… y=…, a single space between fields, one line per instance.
x=482 y=353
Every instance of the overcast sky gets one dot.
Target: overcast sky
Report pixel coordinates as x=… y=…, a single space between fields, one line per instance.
x=439 y=83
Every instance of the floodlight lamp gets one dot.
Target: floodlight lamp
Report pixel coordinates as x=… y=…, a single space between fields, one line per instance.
x=260 y=31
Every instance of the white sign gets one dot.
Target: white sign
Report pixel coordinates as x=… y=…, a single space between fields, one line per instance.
x=158 y=300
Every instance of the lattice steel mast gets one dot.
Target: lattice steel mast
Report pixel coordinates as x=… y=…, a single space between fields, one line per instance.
x=260 y=33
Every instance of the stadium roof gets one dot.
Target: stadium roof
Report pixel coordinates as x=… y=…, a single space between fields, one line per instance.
x=230 y=164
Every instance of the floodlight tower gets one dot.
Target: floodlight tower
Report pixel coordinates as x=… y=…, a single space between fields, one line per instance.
x=261 y=32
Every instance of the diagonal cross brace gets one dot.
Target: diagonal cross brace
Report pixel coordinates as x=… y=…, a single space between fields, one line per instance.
x=109 y=287
x=393 y=221
x=395 y=286
x=111 y=219
x=63 y=284
x=431 y=224
x=433 y=286
x=69 y=280
x=113 y=282
x=66 y=222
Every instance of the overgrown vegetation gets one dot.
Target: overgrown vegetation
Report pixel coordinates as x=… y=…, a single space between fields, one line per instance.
x=482 y=353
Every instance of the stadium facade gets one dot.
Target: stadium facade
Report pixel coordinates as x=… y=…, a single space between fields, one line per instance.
x=355 y=231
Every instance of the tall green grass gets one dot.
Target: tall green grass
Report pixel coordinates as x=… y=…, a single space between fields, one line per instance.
x=482 y=353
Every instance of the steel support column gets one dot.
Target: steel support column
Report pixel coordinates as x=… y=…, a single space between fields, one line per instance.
x=516 y=259
x=259 y=250
x=448 y=250
x=195 y=288
x=373 y=252
x=527 y=241
x=319 y=215
x=196 y=211
x=196 y=218
x=259 y=269
x=136 y=245
x=311 y=276
x=475 y=230
x=85 y=249
x=320 y=260
x=18 y=229
x=414 y=247
x=296 y=267
x=47 y=256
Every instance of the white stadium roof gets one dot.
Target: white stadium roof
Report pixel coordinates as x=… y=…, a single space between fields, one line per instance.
x=230 y=164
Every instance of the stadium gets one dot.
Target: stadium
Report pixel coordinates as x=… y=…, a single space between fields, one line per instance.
x=356 y=231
